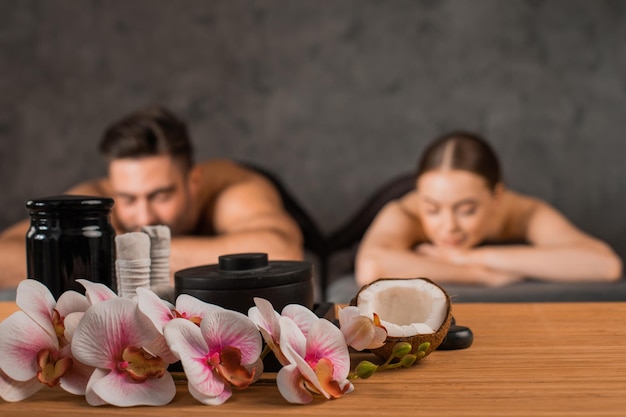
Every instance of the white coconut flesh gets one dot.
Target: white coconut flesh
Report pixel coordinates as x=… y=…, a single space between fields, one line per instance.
x=405 y=307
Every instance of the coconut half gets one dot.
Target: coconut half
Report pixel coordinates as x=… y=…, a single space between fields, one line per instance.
x=414 y=310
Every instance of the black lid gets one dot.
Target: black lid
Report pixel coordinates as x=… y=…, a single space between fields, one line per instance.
x=243 y=270
x=243 y=262
x=69 y=203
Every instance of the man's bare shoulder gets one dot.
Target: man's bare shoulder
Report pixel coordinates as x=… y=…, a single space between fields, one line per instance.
x=97 y=187
x=230 y=192
x=225 y=170
x=222 y=178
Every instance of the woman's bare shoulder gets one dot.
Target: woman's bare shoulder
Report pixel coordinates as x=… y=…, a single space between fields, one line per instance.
x=396 y=224
x=407 y=204
x=520 y=204
x=514 y=214
x=401 y=212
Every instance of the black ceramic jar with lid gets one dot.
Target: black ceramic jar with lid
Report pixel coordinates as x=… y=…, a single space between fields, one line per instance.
x=70 y=237
x=238 y=278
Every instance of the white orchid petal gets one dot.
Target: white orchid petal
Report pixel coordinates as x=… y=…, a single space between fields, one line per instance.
x=347 y=313
x=204 y=380
x=194 y=307
x=273 y=345
x=257 y=318
x=13 y=391
x=265 y=317
x=301 y=315
x=71 y=322
x=230 y=328
x=256 y=368
x=91 y=397
x=21 y=339
x=270 y=331
x=96 y=292
x=116 y=389
x=71 y=302
x=325 y=340
x=154 y=308
x=159 y=347
x=208 y=399
x=36 y=300
x=291 y=386
x=266 y=320
x=346 y=383
x=255 y=315
x=306 y=371
x=185 y=339
x=292 y=336
x=76 y=379
x=380 y=335
x=360 y=332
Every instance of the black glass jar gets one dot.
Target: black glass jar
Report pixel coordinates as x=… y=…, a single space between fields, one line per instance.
x=70 y=237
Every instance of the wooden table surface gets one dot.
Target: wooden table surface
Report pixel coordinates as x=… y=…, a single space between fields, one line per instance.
x=544 y=359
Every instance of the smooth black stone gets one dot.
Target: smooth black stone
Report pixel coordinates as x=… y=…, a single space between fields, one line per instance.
x=458 y=337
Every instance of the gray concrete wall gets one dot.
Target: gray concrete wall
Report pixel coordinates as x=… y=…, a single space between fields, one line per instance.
x=336 y=96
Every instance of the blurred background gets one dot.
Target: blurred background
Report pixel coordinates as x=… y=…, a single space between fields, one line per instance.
x=335 y=96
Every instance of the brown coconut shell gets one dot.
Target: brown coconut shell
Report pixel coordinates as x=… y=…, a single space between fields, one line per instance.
x=435 y=339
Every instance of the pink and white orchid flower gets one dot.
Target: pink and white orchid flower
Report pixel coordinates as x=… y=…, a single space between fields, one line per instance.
x=319 y=362
x=222 y=352
x=161 y=312
x=36 y=300
x=267 y=321
x=35 y=344
x=361 y=332
x=30 y=358
x=129 y=354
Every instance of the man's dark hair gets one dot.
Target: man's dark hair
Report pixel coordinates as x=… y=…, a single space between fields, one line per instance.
x=464 y=151
x=149 y=131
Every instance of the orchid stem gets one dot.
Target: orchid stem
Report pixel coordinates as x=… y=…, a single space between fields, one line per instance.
x=266 y=350
x=387 y=362
x=390 y=366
